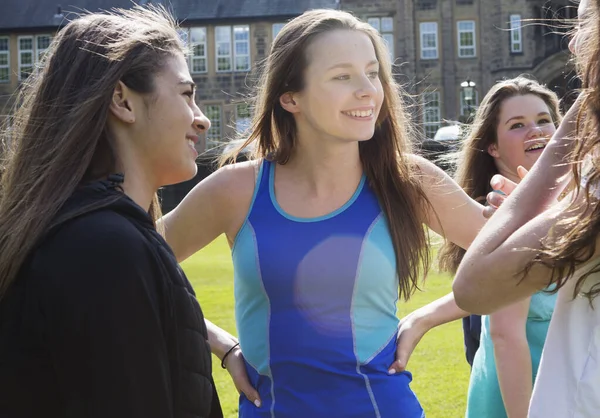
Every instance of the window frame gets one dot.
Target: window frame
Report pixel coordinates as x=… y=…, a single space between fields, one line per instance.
x=425 y=101
x=422 y=34
x=516 y=30
x=459 y=32
x=214 y=137
x=192 y=48
x=7 y=54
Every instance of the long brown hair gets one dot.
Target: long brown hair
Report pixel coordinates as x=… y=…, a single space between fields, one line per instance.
x=576 y=244
x=475 y=167
x=384 y=157
x=59 y=137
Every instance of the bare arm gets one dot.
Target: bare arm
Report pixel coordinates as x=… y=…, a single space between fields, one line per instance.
x=217 y=205
x=513 y=358
x=490 y=271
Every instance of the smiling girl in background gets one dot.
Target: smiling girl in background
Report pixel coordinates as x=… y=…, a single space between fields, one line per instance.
x=514 y=122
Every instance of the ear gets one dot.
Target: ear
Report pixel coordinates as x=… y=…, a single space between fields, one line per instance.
x=289 y=103
x=121 y=104
x=493 y=150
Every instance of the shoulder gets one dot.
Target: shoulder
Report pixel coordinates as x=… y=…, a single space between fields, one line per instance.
x=98 y=244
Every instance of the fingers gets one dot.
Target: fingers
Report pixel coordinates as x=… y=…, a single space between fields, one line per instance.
x=522 y=172
x=244 y=386
x=488 y=211
x=502 y=184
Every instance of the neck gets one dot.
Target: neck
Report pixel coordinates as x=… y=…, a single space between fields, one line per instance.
x=138 y=185
x=325 y=164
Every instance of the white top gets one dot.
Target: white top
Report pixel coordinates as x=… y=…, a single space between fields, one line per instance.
x=568 y=380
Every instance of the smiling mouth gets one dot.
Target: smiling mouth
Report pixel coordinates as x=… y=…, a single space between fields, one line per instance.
x=359 y=113
x=536 y=147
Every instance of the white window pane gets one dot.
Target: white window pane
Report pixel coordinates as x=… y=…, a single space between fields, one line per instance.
x=3 y=59
x=375 y=22
x=241 y=33
x=223 y=33
x=241 y=48
x=4 y=74
x=388 y=38
x=387 y=24
x=466 y=25
x=198 y=35
x=242 y=63
x=183 y=35
x=277 y=28
x=3 y=44
x=26 y=43
x=43 y=42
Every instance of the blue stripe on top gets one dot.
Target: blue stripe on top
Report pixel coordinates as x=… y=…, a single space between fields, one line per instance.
x=316 y=310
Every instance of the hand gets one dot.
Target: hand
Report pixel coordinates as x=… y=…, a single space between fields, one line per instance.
x=237 y=369
x=410 y=333
x=503 y=187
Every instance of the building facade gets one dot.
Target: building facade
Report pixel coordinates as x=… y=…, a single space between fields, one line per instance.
x=436 y=45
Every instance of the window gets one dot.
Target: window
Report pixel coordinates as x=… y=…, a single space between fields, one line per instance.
x=4 y=60
x=277 y=28
x=197 y=39
x=467 y=108
x=466 y=38
x=234 y=57
x=42 y=42
x=26 y=57
x=431 y=113
x=516 y=34
x=385 y=26
x=31 y=51
x=213 y=136
x=242 y=117
x=223 y=47
x=241 y=35
x=429 y=38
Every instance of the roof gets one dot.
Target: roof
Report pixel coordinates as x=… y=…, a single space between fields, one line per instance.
x=27 y=14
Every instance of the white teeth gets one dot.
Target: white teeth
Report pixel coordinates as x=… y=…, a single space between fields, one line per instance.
x=190 y=143
x=535 y=147
x=360 y=113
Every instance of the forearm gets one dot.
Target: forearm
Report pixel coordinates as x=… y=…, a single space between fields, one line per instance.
x=220 y=341
x=513 y=364
x=439 y=312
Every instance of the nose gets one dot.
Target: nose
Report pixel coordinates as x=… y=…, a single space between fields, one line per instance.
x=201 y=122
x=536 y=132
x=366 y=88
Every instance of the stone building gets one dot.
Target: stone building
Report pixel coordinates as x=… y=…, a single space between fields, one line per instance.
x=436 y=46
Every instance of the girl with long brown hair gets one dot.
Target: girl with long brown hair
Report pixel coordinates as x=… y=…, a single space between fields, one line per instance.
x=96 y=317
x=515 y=120
x=531 y=243
x=327 y=227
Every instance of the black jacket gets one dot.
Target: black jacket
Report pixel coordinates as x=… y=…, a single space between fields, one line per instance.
x=102 y=321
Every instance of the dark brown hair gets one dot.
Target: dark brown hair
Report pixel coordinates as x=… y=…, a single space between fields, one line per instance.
x=59 y=136
x=475 y=167
x=385 y=160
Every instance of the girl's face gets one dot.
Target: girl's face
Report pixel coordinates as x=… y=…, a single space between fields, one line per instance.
x=166 y=129
x=524 y=127
x=342 y=93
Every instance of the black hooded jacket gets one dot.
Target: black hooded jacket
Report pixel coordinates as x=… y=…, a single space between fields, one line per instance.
x=102 y=322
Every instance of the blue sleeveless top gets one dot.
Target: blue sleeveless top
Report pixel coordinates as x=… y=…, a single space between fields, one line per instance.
x=315 y=308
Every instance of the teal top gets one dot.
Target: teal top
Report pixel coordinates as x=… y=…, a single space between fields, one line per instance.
x=485 y=398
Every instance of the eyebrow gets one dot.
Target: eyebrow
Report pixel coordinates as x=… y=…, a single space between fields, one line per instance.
x=523 y=117
x=187 y=82
x=348 y=65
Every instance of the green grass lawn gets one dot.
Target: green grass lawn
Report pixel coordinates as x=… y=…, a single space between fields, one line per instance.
x=440 y=372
